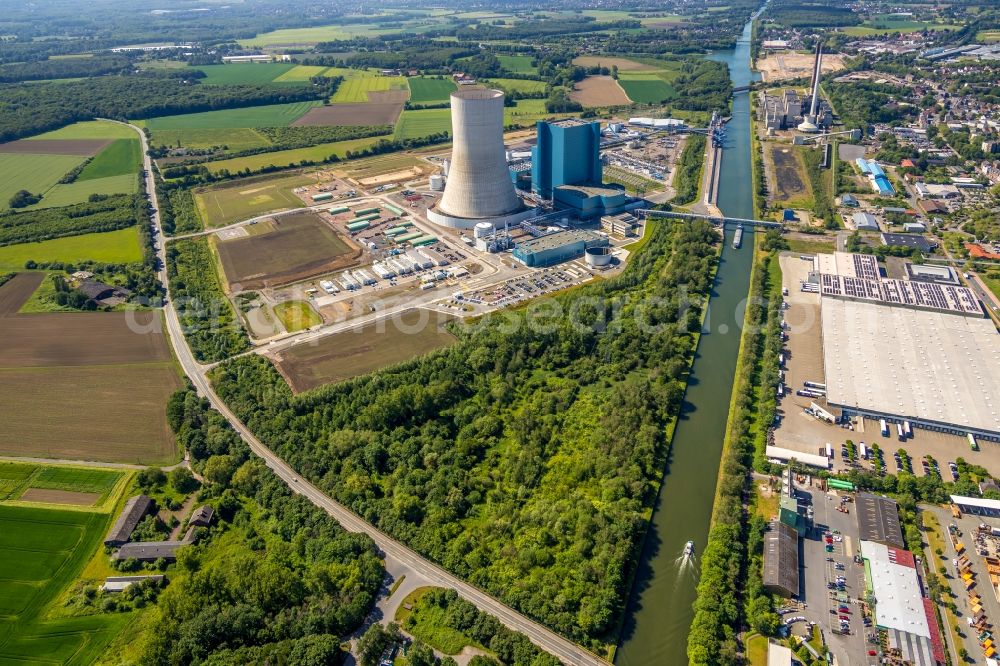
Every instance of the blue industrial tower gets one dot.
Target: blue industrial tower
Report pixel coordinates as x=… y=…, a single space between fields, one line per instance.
x=567 y=152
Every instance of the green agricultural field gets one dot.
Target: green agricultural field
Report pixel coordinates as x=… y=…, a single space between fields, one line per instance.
x=234 y=138
x=328 y=33
x=219 y=206
x=42 y=551
x=988 y=36
x=15 y=478
x=425 y=89
x=113 y=247
x=300 y=74
x=526 y=111
x=422 y=122
x=297 y=315
x=250 y=73
x=358 y=83
x=122 y=156
x=647 y=89
x=79 y=191
x=271 y=115
x=284 y=158
x=91 y=129
x=884 y=26
x=518 y=85
x=35 y=173
x=518 y=63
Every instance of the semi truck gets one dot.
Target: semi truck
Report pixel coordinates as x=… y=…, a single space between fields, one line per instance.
x=884 y=426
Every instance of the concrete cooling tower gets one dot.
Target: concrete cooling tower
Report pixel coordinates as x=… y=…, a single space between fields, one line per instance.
x=479 y=186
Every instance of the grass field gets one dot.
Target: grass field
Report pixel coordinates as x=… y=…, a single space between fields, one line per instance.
x=884 y=26
x=122 y=156
x=284 y=158
x=429 y=624
x=35 y=173
x=113 y=247
x=80 y=190
x=518 y=85
x=804 y=246
x=365 y=349
x=422 y=122
x=272 y=115
x=380 y=164
x=15 y=478
x=988 y=36
x=425 y=89
x=91 y=129
x=297 y=315
x=234 y=138
x=518 y=63
x=327 y=33
x=219 y=206
x=526 y=111
x=358 y=83
x=41 y=552
x=236 y=74
x=297 y=246
x=624 y=64
x=300 y=74
x=646 y=89
x=113 y=413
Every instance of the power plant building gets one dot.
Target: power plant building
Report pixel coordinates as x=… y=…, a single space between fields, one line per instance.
x=556 y=248
x=479 y=188
x=566 y=168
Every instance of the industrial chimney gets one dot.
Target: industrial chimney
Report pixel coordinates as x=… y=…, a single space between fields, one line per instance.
x=809 y=123
x=479 y=186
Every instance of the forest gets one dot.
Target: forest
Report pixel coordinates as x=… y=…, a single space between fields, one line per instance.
x=276 y=580
x=102 y=213
x=526 y=457
x=798 y=14
x=209 y=321
x=862 y=103
x=688 y=178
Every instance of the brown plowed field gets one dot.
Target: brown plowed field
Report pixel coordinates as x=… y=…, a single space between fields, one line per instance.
x=388 y=96
x=371 y=113
x=599 y=91
x=301 y=246
x=46 y=496
x=86 y=147
x=82 y=338
x=17 y=290
x=624 y=64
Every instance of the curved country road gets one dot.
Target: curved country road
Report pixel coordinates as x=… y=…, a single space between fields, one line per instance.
x=567 y=651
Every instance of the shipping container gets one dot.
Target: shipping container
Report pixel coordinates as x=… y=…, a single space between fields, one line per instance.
x=365 y=211
x=322 y=196
x=371 y=217
x=393 y=209
x=337 y=210
x=424 y=240
x=408 y=236
x=358 y=226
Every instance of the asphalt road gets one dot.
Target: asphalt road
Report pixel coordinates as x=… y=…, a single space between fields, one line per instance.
x=565 y=650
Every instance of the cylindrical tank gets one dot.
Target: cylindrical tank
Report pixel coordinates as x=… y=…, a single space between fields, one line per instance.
x=437 y=182
x=446 y=167
x=482 y=229
x=479 y=185
x=598 y=256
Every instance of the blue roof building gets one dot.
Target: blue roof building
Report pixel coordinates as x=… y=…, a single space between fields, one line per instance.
x=567 y=152
x=863 y=165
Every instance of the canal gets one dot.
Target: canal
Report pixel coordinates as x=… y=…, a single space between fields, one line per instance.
x=660 y=609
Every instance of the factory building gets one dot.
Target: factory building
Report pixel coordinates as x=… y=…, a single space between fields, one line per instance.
x=558 y=247
x=566 y=168
x=901 y=610
x=787 y=111
x=781 y=560
x=876 y=177
x=479 y=187
x=878 y=520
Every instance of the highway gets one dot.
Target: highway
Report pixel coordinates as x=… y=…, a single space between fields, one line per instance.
x=395 y=553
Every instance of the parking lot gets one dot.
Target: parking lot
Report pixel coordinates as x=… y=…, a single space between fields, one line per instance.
x=833 y=577
x=531 y=285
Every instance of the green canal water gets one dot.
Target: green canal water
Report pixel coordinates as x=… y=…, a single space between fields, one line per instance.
x=660 y=610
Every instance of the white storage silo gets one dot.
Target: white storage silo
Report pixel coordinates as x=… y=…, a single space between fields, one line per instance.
x=483 y=229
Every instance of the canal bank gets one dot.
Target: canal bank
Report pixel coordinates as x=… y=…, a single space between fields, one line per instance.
x=659 y=609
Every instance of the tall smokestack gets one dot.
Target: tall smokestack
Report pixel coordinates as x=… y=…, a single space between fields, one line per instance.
x=817 y=69
x=479 y=184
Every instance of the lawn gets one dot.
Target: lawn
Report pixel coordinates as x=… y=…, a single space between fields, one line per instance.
x=284 y=158
x=297 y=315
x=518 y=85
x=271 y=115
x=236 y=74
x=646 y=89
x=219 y=206
x=122 y=156
x=757 y=650
x=80 y=190
x=520 y=64
x=43 y=552
x=422 y=122
x=112 y=247
x=425 y=89
x=91 y=129
x=234 y=138
x=35 y=173
x=358 y=83
x=362 y=350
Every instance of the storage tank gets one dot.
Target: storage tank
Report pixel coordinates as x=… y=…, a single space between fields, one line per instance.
x=437 y=182
x=445 y=167
x=479 y=184
x=482 y=229
x=598 y=256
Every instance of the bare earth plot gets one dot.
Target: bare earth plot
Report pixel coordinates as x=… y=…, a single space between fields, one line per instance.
x=782 y=66
x=624 y=64
x=354 y=115
x=83 y=147
x=599 y=91
x=46 y=496
x=788 y=175
x=299 y=245
x=349 y=354
x=17 y=290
